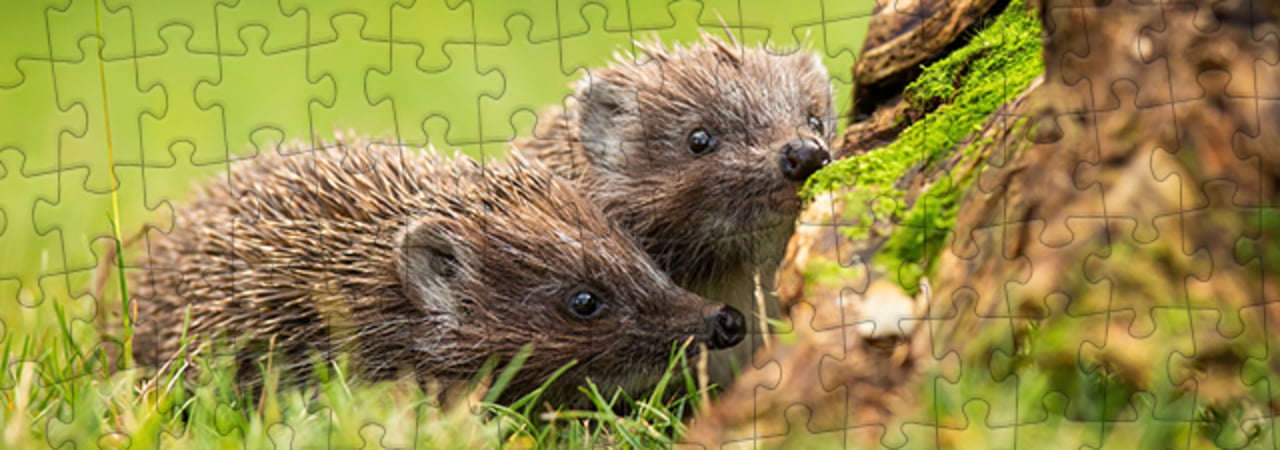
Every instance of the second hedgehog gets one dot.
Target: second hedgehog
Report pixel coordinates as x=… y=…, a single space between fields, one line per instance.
x=414 y=265
x=698 y=152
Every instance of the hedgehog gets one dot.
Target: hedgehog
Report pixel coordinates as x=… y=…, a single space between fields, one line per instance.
x=698 y=152
x=414 y=265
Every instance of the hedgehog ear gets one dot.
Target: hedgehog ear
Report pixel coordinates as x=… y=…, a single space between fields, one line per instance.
x=604 y=102
x=430 y=255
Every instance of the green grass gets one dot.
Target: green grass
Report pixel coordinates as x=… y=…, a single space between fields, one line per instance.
x=64 y=393
x=185 y=93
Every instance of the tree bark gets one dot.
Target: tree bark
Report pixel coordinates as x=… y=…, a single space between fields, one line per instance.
x=1121 y=232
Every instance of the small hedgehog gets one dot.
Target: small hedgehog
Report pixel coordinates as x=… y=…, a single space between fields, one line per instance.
x=415 y=266
x=698 y=152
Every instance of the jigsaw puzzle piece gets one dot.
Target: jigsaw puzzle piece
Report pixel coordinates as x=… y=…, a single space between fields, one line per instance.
x=579 y=17
x=922 y=232
x=824 y=38
x=373 y=435
x=18 y=235
x=287 y=31
x=1065 y=15
x=526 y=88
x=1132 y=424
x=449 y=22
x=681 y=25
x=971 y=427
x=983 y=376
x=1208 y=37
x=1253 y=144
x=1252 y=155
x=1080 y=67
x=451 y=95
x=1031 y=330
x=553 y=19
x=25 y=37
x=263 y=91
x=843 y=24
x=77 y=21
x=588 y=48
x=77 y=419
x=784 y=24
x=79 y=221
x=834 y=225
x=346 y=60
x=1143 y=427
x=320 y=16
x=281 y=435
x=847 y=364
x=1199 y=325
x=151 y=17
x=833 y=10
x=1092 y=171
x=81 y=83
x=1122 y=266
x=492 y=17
x=754 y=409
x=177 y=72
x=1055 y=224
x=983 y=324
x=1267 y=67
x=1231 y=324
x=74 y=155
x=1183 y=374
x=36 y=101
x=1253 y=424
x=800 y=431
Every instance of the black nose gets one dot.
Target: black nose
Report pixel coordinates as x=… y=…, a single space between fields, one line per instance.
x=801 y=158
x=727 y=328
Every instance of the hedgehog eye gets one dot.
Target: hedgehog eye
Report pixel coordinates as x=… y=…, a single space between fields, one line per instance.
x=816 y=124
x=700 y=141
x=584 y=305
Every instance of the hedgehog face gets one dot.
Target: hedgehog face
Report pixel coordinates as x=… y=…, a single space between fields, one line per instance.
x=720 y=138
x=551 y=272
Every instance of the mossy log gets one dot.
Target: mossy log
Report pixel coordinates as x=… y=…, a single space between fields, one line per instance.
x=1098 y=255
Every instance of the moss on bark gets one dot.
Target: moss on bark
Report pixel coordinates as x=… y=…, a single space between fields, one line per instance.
x=950 y=101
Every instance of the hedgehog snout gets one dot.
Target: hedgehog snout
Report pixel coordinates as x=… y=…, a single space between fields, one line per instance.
x=802 y=157
x=728 y=328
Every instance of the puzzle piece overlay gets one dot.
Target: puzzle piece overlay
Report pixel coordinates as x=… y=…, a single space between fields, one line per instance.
x=1106 y=282
x=115 y=107
x=188 y=89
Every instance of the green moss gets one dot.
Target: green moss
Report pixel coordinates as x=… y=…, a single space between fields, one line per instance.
x=996 y=65
x=965 y=87
x=826 y=272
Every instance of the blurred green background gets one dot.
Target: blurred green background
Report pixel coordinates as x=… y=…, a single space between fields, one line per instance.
x=192 y=85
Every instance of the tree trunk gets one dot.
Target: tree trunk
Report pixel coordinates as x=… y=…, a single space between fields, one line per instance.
x=1110 y=277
